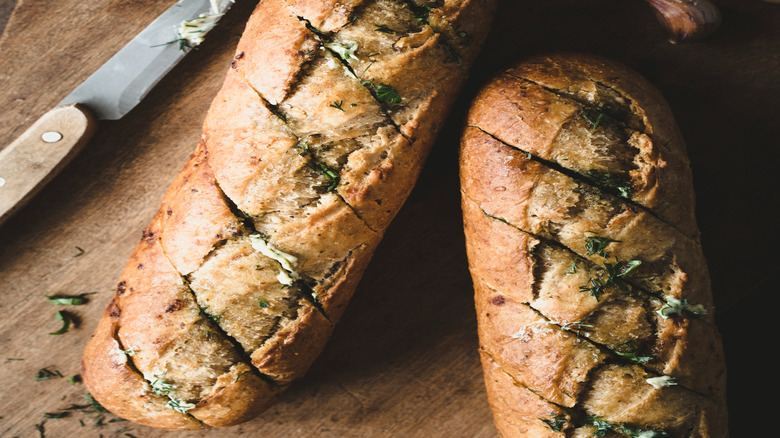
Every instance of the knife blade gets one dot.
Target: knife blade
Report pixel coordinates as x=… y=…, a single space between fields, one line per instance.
x=50 y=143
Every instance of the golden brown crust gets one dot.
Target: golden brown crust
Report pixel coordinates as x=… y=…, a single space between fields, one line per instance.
x=549 y=108
x=307 y=153
x=592 y=302
x=119 y=387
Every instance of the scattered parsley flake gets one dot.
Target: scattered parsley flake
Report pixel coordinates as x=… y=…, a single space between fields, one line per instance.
x=69 y=300
x=66 y=320
x=596 y=245
x=384 y=29
x=556 y=422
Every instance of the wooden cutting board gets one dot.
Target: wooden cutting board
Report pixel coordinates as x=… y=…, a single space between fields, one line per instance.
x=403 y=361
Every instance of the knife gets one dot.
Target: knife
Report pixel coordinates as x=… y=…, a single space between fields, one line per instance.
x=34 y=158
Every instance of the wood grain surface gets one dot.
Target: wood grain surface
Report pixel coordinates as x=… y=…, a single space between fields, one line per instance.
x=403 y=360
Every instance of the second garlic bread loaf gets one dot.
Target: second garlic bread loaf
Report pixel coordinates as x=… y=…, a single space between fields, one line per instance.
x=592 y=292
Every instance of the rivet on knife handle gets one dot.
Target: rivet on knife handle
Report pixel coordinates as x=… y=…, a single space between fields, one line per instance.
x=36 y=156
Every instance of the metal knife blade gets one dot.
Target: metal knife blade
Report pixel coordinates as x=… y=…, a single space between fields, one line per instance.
x=35 y=157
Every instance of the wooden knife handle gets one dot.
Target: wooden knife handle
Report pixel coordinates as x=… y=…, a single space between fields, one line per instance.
x=35 y=157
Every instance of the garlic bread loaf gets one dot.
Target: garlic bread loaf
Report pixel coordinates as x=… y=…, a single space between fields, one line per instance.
x=594 y=304
x=308 y=151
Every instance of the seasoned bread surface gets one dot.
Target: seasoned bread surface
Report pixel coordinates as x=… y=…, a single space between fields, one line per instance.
x=592 y=292
x=310 y=148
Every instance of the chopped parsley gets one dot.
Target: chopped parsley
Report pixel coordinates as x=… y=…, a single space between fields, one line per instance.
x=384 y=29
x=630 y=352
x=46 y=374
x=56 y=414
x=613 y=275
x=262 y=303
x=597 y=245
x=329 y=173
x=555 y=423
x=382 y=92
x=387 y=93
x=595 y=287
x=578 y=326
x=68 y=300
x=603 y=427
x=65 y=318
x=616 y=272
x=594 y=117
x=160 y=387
x=615 y=181
x=352 y=18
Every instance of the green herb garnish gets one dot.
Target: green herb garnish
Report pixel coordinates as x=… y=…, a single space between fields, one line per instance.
x=352 y=18
x=616 y=272
x=556 y=422
x=594 y=117
x=337 y=105
x=595 y=287
x=41 y=431
x=68 y=300
x=328 y=173
x=80 y=251
x=240 y=374
x=66 y=320
x=213 y=318
x=262 y=303
x=421 y=12
x=46 y=374
x=596 y=245
x=382 y=92
x=632 y=353
x=578 y=326
x=94 y=403
x=56 y=414
x=612 y=276
x=387 y=93
x=603 y=427
x=384 y=29
x=161 y=387
x=611 y=180
x=179 y=405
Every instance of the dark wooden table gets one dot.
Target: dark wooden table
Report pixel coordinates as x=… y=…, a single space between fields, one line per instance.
x=403 y=360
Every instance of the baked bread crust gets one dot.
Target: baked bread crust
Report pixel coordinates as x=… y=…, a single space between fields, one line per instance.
x=308 y=151
x=594 y=304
